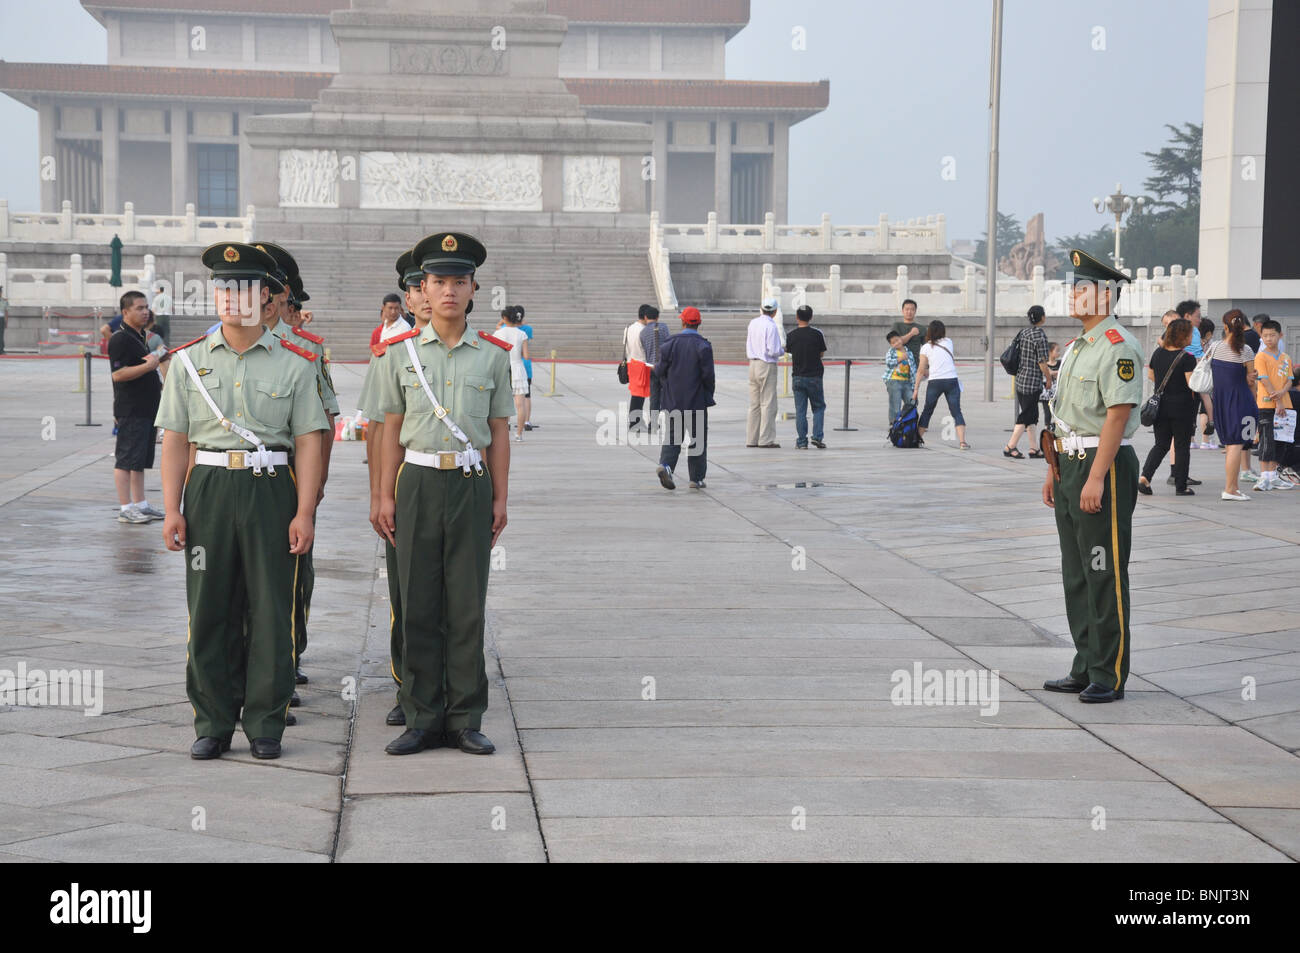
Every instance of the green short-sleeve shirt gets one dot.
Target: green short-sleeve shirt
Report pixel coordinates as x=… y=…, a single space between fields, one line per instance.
x=329 y=400
x=368 y=402
x=470 y=380
x=268 y=389
x=1101 y=369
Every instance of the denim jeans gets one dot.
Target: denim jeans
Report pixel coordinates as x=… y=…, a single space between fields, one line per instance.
x=808 y=390
x=900 y=396
x=697 y=459
x=950 y=388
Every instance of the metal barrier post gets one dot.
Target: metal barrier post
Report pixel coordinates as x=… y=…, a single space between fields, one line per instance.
x=848 y=363
x=786 y=392
x=551 y=392
x=86 y=359
x=81 y=372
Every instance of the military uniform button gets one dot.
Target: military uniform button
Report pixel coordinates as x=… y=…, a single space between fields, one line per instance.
x=236 y=383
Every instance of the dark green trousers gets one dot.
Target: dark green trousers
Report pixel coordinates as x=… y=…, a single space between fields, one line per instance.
x=394 y=616
x=444 y=537
x=237 y=541
x=1094 y=566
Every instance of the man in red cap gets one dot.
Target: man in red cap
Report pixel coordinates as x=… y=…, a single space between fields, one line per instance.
x=685 y=369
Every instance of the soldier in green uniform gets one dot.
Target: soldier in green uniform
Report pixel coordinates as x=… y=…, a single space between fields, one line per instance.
x=244 y=398
x=446 y=399
x=408 y=280
x=278 y=323
x=1092 y=481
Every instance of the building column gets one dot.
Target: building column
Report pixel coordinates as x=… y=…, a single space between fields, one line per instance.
x=245 y=164
x=110 y=161
x=180 y=161
x=659 y=187
x=722 y=169
x=48 y=153
x=780 y=206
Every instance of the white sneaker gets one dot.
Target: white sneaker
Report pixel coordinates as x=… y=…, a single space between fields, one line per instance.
x=519 y=438
x=1250 y=476
x=1225 y=495
x=150 y=510
x=1277 y=483
x=1263 y=484
x=133 y=515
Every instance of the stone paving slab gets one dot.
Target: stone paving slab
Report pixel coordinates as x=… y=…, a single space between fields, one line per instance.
x=772 y=681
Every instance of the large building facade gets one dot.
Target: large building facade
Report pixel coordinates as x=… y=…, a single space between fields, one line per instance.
x=160 y=124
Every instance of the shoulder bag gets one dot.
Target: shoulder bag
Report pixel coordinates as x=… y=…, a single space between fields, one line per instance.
x=1151 y=409
x=1202 y=379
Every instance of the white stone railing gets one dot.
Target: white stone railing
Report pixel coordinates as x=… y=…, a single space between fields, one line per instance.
x=72 y=286
x=915 y=235
x=130 y=226
x=1147 y=296
x=659 y=267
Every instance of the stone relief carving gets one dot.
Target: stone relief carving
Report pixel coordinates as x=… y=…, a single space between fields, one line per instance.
x=591 y=184
x=451 y=180
x=451 y=60
x=309 y=178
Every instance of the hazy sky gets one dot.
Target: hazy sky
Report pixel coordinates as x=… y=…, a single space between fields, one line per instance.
x=909 y=88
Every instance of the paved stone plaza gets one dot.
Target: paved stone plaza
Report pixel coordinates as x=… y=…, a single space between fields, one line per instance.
x=772 y=684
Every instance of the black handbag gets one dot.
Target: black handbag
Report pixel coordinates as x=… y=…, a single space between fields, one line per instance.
x=1011 y=356
x=1151 y=409
x=622 y=371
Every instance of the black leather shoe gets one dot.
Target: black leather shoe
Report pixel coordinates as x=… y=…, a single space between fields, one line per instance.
x=413 y=740
x=820 y=445
x=290 y=719
x=207 y=748
x=1190 y=482
x=470 y=741
x=265 y=749
x=395 y=717
x=294 y=700
x=1100 y=693
x=1068 y=684
x=299 y=677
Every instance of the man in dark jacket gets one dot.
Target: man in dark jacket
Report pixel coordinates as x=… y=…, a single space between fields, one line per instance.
x=685 y=369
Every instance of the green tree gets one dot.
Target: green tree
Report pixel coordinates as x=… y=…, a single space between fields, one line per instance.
x=1176 y=169
x=1010 y=234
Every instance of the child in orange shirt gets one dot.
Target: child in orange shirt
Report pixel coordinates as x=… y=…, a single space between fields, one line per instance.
x=1272 y=393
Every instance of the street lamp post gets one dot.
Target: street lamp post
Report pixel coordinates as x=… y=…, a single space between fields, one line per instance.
x=1119 y=205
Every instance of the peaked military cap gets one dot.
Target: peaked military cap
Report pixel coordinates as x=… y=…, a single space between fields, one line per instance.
x=408 y=270
x=237 y=261
x=288 y=268
x=449 y=253
x=297 y=293
x=1086 y=268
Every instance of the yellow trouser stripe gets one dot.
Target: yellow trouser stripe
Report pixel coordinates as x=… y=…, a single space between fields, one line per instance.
x=1119 y=591
x=391 y=619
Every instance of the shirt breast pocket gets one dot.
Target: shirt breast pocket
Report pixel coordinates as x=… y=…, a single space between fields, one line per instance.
x=271 y=404
x=417 y=402
x=478 y=395
x=195 y=405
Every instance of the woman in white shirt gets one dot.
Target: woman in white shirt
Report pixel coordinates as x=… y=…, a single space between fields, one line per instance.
x=939 y=370
x=513 y=334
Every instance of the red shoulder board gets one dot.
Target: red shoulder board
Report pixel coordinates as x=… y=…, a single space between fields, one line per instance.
x=181 y=347
x=378 y=349
x=404 y=335
x=1113 y=336
x=314 y=338
x=301 y=352
x=497 y=341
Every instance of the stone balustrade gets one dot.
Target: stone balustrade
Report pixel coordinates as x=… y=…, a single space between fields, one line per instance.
x=1149 y=295
x=914 y=235
x=130 y=226
x=73 y=286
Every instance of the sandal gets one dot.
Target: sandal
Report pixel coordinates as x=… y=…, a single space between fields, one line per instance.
x=1035 y=454
x=966 y=446
x=1013 y=452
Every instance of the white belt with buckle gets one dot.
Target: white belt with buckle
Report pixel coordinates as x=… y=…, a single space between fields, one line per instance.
x=446 y=459
x=1075 y=445
x=240 y=459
